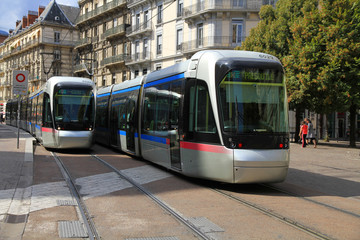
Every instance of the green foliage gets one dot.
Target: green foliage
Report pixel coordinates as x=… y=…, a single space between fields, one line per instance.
x=319 y=45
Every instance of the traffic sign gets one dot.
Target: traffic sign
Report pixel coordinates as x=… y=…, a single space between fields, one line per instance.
x=20 y=82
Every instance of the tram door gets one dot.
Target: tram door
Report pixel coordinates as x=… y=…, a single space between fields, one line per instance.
x=130 y=122
x=114 y=112
x=175 y=123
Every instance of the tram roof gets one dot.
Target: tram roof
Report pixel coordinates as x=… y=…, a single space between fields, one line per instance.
x=167 y=72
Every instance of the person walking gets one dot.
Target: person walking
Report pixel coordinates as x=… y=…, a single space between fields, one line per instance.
x=303 y=133
x=311 y=133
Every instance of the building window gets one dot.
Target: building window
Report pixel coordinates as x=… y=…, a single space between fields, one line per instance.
x=57 y=55
x=104 y=27
x=137 y=21
x=137 y=50
x=200 y=35
x=56 y=71
x=146 y=18
x=237 y=29
x=125 y=50
x=269 y=2
x=238 y=3
x=180 y=7
x=136 y=73
x=115 y=22
x=104 y=53
x=104 y=81
x=158 y=67
x=144 y=71
x=179 y=39
x=160 y=13
x=56 y=37
x=114 y=53
x=124 y=76
x=159 y=44
x=113 y=78
x=146 y=49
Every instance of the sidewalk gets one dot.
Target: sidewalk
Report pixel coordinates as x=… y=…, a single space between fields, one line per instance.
x=16 y=175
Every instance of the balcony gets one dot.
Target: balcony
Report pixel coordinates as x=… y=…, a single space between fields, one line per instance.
x=114 y=32
x=139 y=58
x=134 y=3
x=203 y=7
x=117 y=59
x=218 y=42
x=36 y=42
x=143 y=29
x=100 y=11
x=83 y=42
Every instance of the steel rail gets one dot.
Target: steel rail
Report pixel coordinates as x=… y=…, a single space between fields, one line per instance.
x=312 y=201
x=86 y=217
x=167 y=208
x=272 y=214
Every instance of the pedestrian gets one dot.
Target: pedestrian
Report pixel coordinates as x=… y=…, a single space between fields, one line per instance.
x=303 y=133
x=311 y=133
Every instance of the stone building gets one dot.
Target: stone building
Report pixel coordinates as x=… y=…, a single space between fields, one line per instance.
x=41 y=43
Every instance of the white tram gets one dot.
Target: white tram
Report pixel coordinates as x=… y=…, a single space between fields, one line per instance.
x=221 y=115
x=61 y=114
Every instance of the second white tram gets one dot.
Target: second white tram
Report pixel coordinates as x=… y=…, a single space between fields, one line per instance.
x=221 y=115
x=60 y=114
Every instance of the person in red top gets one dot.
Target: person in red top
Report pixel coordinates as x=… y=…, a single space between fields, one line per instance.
x=303 y=133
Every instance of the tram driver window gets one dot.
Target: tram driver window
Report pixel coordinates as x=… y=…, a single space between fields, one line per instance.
x=201 y=124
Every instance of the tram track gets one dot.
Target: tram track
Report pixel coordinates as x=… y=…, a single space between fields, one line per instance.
x=86 y=216
x=311 y=200
x=161 y=203
x=275 y=215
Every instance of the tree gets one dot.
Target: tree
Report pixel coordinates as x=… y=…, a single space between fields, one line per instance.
x=274 y=35
x=320 y=50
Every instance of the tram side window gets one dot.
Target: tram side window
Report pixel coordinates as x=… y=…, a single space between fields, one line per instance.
x=118 y=111
x=156 y=108
x=39 y=110
x=47 y=119
x=201 y=124
x=102 y=112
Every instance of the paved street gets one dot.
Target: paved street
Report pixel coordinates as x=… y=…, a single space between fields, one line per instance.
x=328 y=174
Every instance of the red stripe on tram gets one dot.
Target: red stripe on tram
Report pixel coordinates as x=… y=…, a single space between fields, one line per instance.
x=50 y=130
x=205 y=147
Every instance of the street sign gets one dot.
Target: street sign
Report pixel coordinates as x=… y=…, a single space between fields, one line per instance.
x=20 y=82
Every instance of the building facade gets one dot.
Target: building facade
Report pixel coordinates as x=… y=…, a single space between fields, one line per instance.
x=42 y=43
x=103 y=46
x=165 y=32
x=122 y=39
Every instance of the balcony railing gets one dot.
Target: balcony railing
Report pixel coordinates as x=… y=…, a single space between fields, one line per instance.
x=36 y=42
x=138 y=57
x=83 y=42
x=221 y=42
x=138 y=29
x=216 y=5
x=132 y=3
x=100 y=10
x=113 y=60
x=113 y=32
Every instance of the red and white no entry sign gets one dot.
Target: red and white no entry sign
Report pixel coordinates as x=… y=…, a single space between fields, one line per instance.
x=20 y=77
x=20 y=82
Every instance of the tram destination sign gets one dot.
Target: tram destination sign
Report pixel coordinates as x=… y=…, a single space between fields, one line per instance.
x=20 y=82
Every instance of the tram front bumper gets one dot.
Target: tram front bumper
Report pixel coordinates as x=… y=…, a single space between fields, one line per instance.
x=254 y=166
x=75 y=139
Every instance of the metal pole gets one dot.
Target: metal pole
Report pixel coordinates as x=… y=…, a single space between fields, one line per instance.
x=18 y=122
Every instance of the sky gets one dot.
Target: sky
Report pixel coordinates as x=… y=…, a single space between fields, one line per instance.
x=12 y=10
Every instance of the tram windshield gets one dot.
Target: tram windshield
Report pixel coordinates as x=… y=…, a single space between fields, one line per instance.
x=253 y=100
x=74 y=109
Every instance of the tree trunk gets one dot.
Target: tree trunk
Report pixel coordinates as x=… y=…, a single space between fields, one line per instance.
x=297 y=126
x=353 y=112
